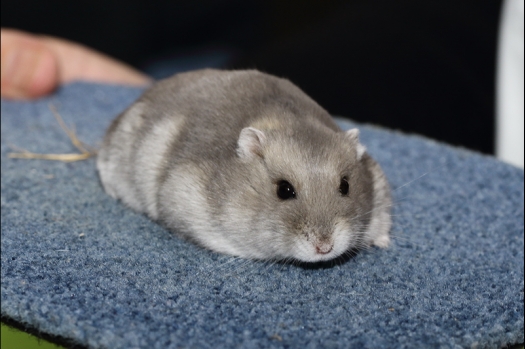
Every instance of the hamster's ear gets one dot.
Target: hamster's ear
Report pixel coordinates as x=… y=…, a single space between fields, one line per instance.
x=250 y=143
x=353 y=136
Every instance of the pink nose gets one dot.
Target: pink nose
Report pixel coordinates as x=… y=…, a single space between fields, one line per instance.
x=323 y=248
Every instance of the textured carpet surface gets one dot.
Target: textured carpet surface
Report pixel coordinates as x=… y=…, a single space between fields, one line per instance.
x=77 y=264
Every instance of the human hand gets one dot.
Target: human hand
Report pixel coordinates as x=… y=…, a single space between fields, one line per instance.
x=35 y=65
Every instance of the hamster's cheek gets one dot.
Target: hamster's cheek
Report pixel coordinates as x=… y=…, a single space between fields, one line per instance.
x=303 y=251
x=344 y=236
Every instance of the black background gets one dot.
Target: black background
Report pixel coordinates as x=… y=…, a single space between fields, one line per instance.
x=419 y=66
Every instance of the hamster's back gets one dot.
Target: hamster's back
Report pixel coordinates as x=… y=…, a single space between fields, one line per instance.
x=194 y=115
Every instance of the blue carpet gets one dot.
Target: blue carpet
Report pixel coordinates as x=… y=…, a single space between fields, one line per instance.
x=79 y=265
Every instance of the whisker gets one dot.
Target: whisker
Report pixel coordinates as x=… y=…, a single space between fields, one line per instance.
x=412 y=181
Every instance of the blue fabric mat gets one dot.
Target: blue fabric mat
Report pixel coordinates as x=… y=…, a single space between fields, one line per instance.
x=77 y=264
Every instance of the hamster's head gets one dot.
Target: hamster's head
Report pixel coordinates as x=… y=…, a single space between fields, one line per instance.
x=310 y=192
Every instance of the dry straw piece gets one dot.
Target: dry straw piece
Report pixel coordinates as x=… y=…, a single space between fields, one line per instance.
x=85 y=151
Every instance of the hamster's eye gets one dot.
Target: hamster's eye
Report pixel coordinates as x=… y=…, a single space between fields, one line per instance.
x=285 y=190
x=344 y=186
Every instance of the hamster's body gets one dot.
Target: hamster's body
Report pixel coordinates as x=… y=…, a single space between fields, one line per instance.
x=246 y=164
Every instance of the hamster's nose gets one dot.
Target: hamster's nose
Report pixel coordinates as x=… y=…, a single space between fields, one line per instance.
x=323 y=248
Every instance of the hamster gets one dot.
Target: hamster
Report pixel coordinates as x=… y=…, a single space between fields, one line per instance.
x=246 y=164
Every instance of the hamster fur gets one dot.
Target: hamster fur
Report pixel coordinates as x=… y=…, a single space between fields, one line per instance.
x=245 y=163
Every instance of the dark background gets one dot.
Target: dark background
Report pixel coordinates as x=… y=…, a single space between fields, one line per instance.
x=419 y=66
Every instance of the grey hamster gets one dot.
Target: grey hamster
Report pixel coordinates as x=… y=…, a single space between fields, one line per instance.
x=245 y=163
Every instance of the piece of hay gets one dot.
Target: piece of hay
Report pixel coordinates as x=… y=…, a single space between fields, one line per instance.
x=85 y=151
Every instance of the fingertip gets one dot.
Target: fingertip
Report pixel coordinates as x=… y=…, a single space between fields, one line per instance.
x=44 y=78
x=29 y=68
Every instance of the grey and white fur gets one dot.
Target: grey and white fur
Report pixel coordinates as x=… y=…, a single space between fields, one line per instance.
x=206 y=152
